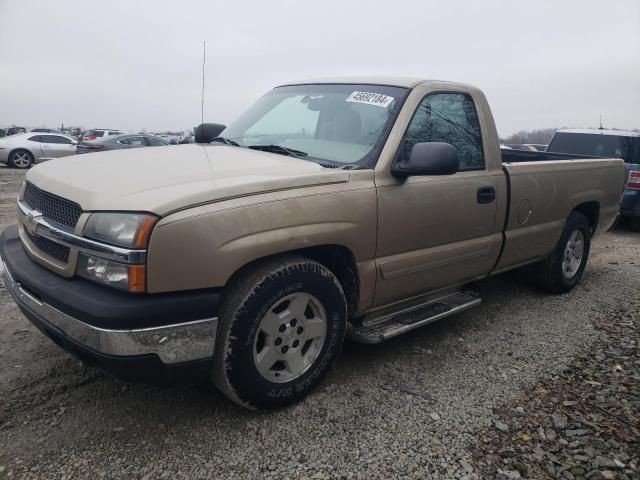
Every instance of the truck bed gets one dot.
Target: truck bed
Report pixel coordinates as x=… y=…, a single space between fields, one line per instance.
x=515 y=156
x=542 y=195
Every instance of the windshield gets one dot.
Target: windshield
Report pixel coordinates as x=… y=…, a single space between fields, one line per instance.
x=341 y=124
x=595 y=145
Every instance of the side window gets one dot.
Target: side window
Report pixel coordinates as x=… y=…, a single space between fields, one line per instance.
x=155 y=142
x=124 y=141
x=36 y=138
x=54 y=139
x=137 y=141
x=449 y=118
x=62 y=140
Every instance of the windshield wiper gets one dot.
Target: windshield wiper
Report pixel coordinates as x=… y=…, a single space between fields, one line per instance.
x=226 y=141
x=279 y=149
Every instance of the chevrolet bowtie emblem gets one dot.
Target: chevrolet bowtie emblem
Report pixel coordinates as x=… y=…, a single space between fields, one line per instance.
x=31 y=221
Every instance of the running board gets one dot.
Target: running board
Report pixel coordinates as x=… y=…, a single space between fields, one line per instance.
x=381 y=328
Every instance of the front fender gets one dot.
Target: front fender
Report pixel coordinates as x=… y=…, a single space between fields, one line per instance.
x=204 y=246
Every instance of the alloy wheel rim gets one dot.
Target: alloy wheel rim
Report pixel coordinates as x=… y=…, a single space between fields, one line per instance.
x=21 y=159
x=290 y=337
x=573 y=253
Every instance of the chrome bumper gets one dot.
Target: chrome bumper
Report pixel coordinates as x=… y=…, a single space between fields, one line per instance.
x=176 y=343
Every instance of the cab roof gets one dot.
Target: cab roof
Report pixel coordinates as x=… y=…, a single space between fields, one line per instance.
x=406 y=82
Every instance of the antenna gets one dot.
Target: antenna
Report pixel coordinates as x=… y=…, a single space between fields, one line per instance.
x=601 y=127
x=204 y=60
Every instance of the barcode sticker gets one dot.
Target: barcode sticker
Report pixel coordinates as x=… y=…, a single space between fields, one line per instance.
x=370 y=99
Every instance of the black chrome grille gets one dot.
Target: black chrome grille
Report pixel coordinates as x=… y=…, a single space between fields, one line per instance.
x=52 y=207
x=51 y=249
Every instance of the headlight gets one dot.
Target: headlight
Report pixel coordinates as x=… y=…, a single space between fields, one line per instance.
x=118 y=275
x=131 y=230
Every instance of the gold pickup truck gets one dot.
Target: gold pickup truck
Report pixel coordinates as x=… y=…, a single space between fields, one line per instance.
x=357 y=207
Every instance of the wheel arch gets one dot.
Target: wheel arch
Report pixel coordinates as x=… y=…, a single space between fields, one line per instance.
x=591 y=210
x=339 y=259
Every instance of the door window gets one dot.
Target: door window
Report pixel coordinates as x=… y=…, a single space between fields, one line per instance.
x=55 y=139
x=449 y=118
x=137 y=141
x=156 y=142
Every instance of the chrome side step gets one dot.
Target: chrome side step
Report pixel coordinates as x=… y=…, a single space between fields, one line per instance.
x=380 y=328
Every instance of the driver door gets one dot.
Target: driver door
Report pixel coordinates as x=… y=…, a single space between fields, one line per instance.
x=55 y=146
x=436 y=231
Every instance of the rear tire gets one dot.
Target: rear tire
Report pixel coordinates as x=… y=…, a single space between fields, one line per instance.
x=563 y=269
x=634 y=224
x=20 y=159
x=281 y=329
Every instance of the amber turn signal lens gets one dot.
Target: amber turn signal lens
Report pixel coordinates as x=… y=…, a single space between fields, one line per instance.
x=136 y=278
x=144 y=231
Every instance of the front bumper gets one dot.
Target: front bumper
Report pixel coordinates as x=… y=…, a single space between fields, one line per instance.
x=163 y=337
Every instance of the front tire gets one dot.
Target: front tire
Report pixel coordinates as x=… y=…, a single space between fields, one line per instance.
x=282 y=328
x=563 y=269
x=20 y=159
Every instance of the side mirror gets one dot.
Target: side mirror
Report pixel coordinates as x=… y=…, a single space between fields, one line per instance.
x=428 y=158
x=208 y=131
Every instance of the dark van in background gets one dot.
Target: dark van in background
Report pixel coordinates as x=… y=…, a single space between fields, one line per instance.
x=608 y=143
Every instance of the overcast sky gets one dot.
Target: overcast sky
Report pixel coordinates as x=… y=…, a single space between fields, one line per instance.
x=134 y=65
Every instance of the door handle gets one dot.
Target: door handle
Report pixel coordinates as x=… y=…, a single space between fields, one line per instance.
x=486 y=195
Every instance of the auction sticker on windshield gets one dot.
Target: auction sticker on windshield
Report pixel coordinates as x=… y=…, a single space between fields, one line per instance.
x=370 y=99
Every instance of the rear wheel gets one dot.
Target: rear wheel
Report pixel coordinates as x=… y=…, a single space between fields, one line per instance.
x=563 y=269
x=20 y=159
x=282 y=328
x=634 y=224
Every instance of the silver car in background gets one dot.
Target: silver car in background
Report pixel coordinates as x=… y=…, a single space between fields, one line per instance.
x=26 y=149
x=119 y=142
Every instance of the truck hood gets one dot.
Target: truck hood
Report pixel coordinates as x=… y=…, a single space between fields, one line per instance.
x=166 y=179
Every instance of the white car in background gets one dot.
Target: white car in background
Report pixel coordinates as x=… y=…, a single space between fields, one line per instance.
x=26 y=149
x=98 y=133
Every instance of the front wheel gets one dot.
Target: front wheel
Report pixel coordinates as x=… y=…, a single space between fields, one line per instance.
x=563 y=269
x=282 y=328
x=21 y=159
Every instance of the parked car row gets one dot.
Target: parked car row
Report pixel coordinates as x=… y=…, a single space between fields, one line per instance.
x=26 y=149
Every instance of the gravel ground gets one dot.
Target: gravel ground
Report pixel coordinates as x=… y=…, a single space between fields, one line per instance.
x=432 y=404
